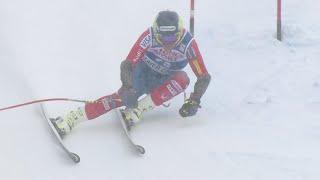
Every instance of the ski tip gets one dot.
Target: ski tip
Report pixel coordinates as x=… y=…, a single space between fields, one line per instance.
x=140 y=149
x=75 y=157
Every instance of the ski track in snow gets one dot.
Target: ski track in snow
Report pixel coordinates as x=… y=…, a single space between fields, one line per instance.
x=259 y=118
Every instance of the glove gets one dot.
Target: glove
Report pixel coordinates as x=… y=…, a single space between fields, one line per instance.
x=189 y=108
x=128 y=96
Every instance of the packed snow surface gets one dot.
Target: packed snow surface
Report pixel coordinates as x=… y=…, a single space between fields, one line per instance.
x=259 y=119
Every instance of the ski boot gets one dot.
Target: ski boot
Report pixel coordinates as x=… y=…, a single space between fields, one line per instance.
x=67 y=123
x=132 y=116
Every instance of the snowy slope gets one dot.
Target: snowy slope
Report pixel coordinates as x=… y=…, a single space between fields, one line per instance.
x=260 y=116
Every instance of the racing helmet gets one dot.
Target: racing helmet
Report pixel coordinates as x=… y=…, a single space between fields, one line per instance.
x=168 y=28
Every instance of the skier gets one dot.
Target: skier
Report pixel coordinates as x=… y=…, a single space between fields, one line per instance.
x=153 y=68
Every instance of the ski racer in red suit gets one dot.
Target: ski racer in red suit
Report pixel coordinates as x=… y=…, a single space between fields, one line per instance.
x=152 y=68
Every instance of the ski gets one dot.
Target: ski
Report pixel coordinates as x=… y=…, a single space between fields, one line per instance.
x=140 y=149
x=73 y=156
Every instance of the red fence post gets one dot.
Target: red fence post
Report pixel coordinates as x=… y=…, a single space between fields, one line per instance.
x=279 y=34
x=192 y=17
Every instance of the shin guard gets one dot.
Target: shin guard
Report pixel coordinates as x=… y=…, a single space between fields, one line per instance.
x=174 y=86
x=102 y=106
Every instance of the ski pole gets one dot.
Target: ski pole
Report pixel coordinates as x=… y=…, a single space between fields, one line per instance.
x=44 y=100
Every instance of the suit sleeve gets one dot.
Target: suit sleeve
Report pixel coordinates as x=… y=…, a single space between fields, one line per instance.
x=195 y=60
x=200 y=70
x=134 y=56
x=140 y=47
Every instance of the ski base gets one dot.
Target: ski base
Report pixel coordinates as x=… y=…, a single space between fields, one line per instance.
x=73 y=156
x=140 y=149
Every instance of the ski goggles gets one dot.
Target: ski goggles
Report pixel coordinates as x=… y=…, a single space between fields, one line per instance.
x=168 y=38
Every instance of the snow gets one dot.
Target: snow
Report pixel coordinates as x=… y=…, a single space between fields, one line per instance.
x=260 y=115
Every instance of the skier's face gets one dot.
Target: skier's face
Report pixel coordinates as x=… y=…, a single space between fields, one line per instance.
x=169 y=40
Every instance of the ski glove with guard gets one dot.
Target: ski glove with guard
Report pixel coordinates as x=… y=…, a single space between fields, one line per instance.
x=189 y=108
x=127 y=92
